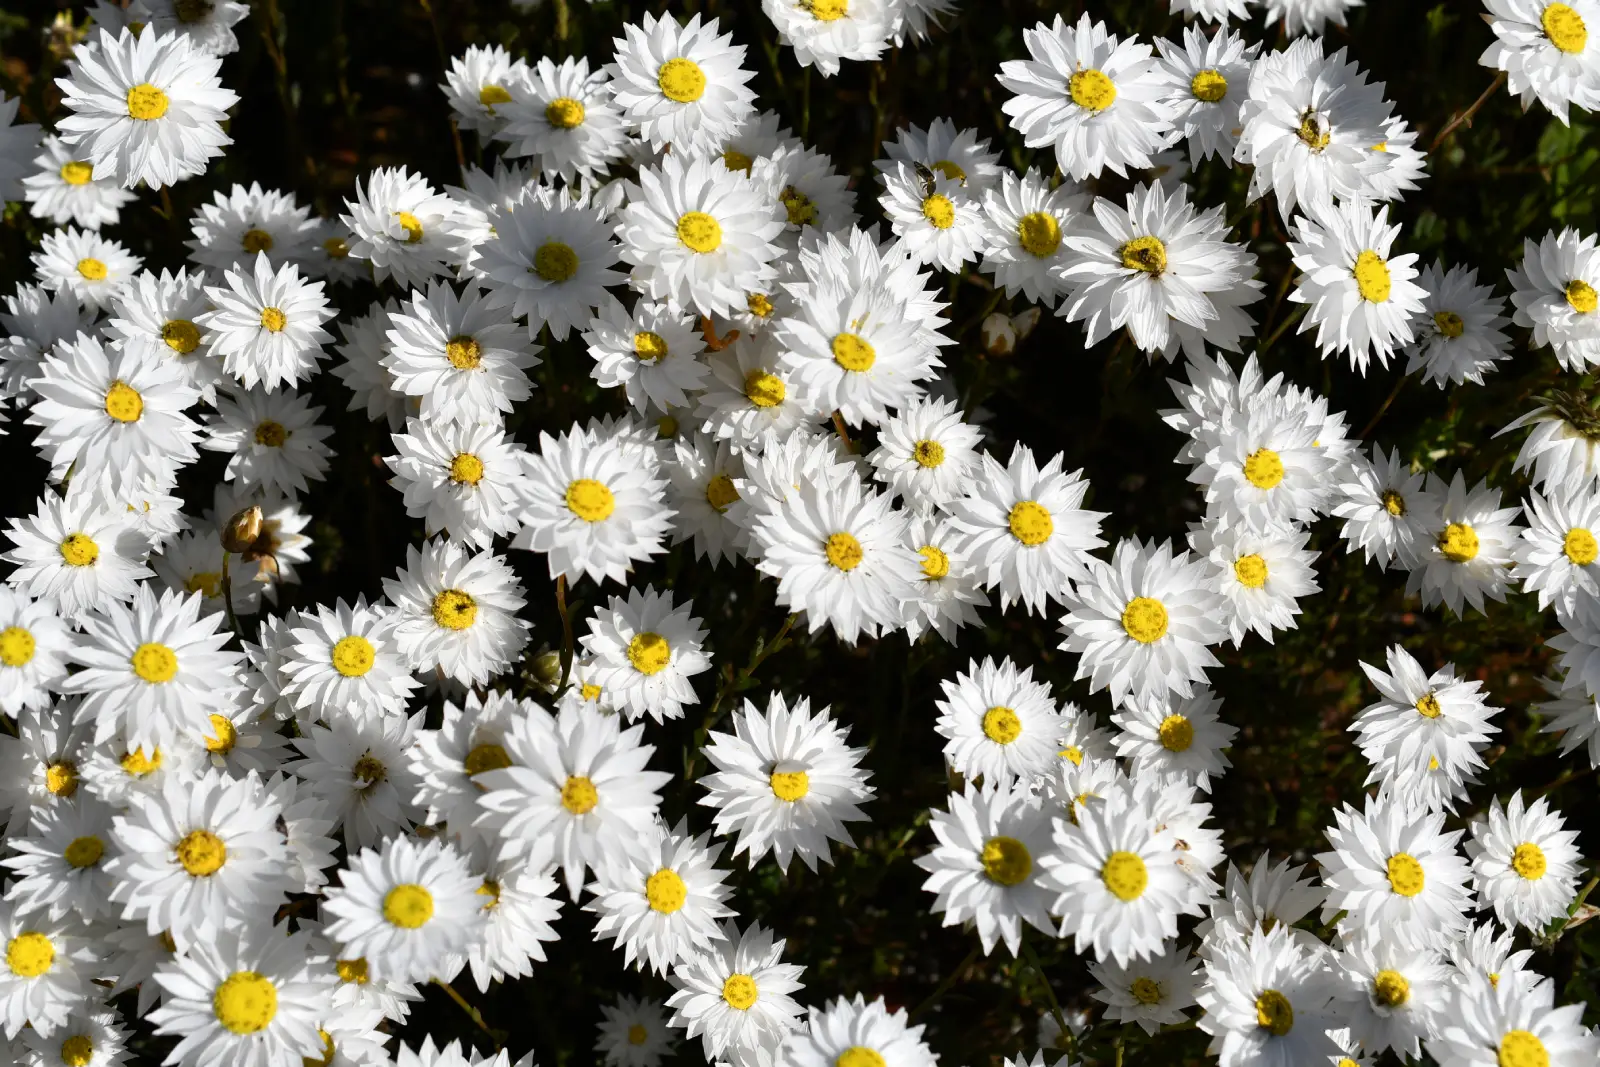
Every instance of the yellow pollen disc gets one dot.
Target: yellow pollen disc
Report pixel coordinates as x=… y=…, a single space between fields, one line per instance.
x=1030 y=522
x=224 y=735
x=123 y=402
x=273 y=320
x=1527 y=859
x=1391 y=989
x=353 y=656
x=830 y=11
x=637 y=1034
x=181 y=335
x=76 y=173
x=1209 y=86
x=1449 y=324
x=486 y=758
x=1519 y=1048
x=1346 y=1061
x=649 y=653
x=202 y=853
x=1145 y=990
x=154 y=663
x=1072 y=754
x=1091 y=90
x=665 y=891
x=79 y=550
x=853 y=352
x=255 y=241
x=800 y=209
x=590 y=500
x=928 y=453
x=1428 y=706
x=454 y=609
x=578 y=795
x=1372 y=277
x=758 y=305
x=245 y=1002
x=564 y=113
x=408 y=906
x=84 y=851
x=352 y=971
x=1001 y=725
x=1313 y=132
x=1565 y=28
x=1145 y=620
x=206 y=583
x=734 y=159
x=1394 y=503
x=1580 y=546
x=859 y=1056
x=146 y=103
x=649 y=346
x=329 y=1051
x=137 y=764
x=843 y=551
x=681 y=80
x=667 y=427
x=411 y=225
x=939 y=211
x=61 y=778
x=764 y=390
x=16 y=646
x=463 y=352
x=1251 y=571
x=1581 y=297
x=950 y=170
x=1147 y=254
x=589 y=691
x=555 y=261
x=77 y=1051
x=1006 y=860
x=466 y=469
x=935 y=564
x=739 y=991
x=720 y=493
x=1176 y=733
x=272 y=434
x=1459 y=543
x=699 y=232
x=491 y=95
x=1263 y=468
x=1039 y=234
x=1124 y=874
x=1433 y=763
x=1406 y=876
x=1274 y=1013
x=336 y=247
x=92 y=269
x=30 y=954
x=789 y=786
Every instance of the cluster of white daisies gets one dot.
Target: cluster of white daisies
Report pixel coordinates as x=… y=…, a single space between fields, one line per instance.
x=251 y=826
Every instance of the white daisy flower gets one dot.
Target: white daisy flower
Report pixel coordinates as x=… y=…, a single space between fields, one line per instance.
x=267 y=326
x=824 y=33
x=192 y=563
x=651 y=353
x=680 y=85
x=463 y=479
x=1543 y=49
x=1556 y=290
x=1459 y=335
x=562 y=116
x=17 y=140
x=1387 y=512
x=92 y=268
x=157 y=313
x=999 y=724
x=1486 y=1023
x=1184 y=737
x=643 y=651
x=89 y=1038
x=1573 y=714
x=209 y=25
x=329 y=255
x=116 y=774
x=447 y=761
x=1390 y=992
x=1208 y=78
x=1264 y=467
x=941 y=223
x=60 y=866
x=1260 y=575
x=702 y=475
x=358 y=767
x=346 y=661
x=45 y=972
x=466 y=364
x=634 y=1033
x=1525 y=864
x=1473 y=544
x=145 y=108
x=947 y=597
x=550 y=262
x=36 y=320
x=274 y=439
x=985 y=868
x=517 y=891
x=1024 y=530
x=64 y=190
x=41 y=765
x=1559 y=451
x=856 y=1031
x=364 y=349
x=479 y=81
x=1096 y=98
x=1023 y=246
x=1266 y=1001
x=751 y=394
x=1141 y=623
x=406 y=228
x=457 y=611
x=34 y=646
x=1152 y=992
x=815 y=197
x=946 y=150
x=1558 y=554
x=734 y=994
x=76 y=553
x=235 y=227
x=660 y=900
x=785 y=782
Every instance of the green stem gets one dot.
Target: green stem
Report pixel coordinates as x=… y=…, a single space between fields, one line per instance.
x=476 y=1016
x=227 y=592
x=1050 y=994
x=947 y=984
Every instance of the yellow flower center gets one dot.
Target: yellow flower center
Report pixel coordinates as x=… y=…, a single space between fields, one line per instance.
x=1580 y=546
x=352 y=971
x=255 y=241
x=201 y=853
x=935 y=564
x=123 y=402
x=155 y=663
x=1091 y=90
x=137 y=764
x=1391 y=989
x=1519 y=1048
x=720 y=493
x=1145 y=620
x=650 y=347
x=800 y=209
x=224 y=735
x=637 y=1034
x=564 y=113
x=490 y=95
x=77 y=1051
x=590 y=500
x=843 y=551
x=1251 y=571
x=1001 y=725
x=488 y=757
x=649 y=653
x=853 y=352
x=1313 y=132
x=146 y=103
x=1006 y=860
x=1209 y=86
x=1072 y=754
x=353 y=656
x=1449 y=324
x=273 y=320
x=75 y=173
x=1030 y=522
x=92 y=269
x=329 y=1051
x=739 y=991
x=858 y=1055
x=1581 y=297
x=1274 y=1013
x=1147 y=254
x=1039 y=233
x=1459 y=543
x=1527 y=859
x=1428 y=706
x=1177 y=733
x=16 y=646
x=61 y=778
x=1406 y=876
x=829 y=11
x=699 y=232
x=764 y=390
x=84 y=851
x=758 y=305
x=408 y=906
x=336 y=247
x=734 y=159
x=589 y=691
x=789 y=786
x=1145 y=990
x=1372 y=277
x=681 y=80
x=1124 y=874
x=79 y=550
x=1263 y=468
x=1565 y=28
x=411 y=225
x=466 y=469
x=272 y=434
x=454 y=609
x=463 y=352
x=665 y=891
x=245 y=1002
x=928 y=453
x=181 y=335
x=578 y=795
x=939 y=211
x=1394 y=503
x=555 y=261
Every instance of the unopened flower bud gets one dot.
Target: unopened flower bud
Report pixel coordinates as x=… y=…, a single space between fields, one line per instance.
x=1025 y=322
x=999 y=337
x=242 y=530
x=547 y=669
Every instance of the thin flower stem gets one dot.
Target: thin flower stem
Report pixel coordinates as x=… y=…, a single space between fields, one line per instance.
x=1466 y=116
x=734 y=682
x=566 y=634
x=947 y=984
x=1050 y=994
x=1367 y=429
x=498 y=1037
x=227 y=592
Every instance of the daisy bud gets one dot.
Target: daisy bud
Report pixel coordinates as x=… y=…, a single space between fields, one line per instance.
x=1024 y=323
x=999 y=336
x=242 y=530
x=547 y=669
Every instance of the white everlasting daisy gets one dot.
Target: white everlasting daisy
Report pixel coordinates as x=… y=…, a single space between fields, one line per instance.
x=1362 y=299
x=45 y=971
x=1024 y=530
x=329 y=255
x=267 y=326
x=1575 y=716
x=1260 y=575
x=273 y=437
x=89 y=1038
x=464 y=362
x=1096 y=99
x=17 y=140
x=1556 y=291
x=1473 y=544
x=1266 y=1002
x=346 y=661
x=41 y=765
x=1163 y=270
x=235 y=227
x=562 y=116
x=1264 y=467
x=517 y=890
x=459 y=478
x=999 y=724
x=77 y=554
x=192 y=563
x=1489 y=1023
x=1543 y=49
x=1387 y=512
x=699 y=235
x=406 y=228
x=117 y=774
x=947 y=150
x=814 y=196
x=448 y=761
x=1208 y=78
x=985 y=868
x=590 y=506
x=1459 y=335
x=1390 y=992
x=65 y=190
x=947 y=596
x=358 y=767
x=577 y=780
x=1395 y=873
x=34 y=644
x=1525 y=864
x=479 y=82
x=365 y=347
x=1141 y=623
x=857 y=1031
x=660 y=900
x=550 y=262
x=941 y=223
x=1152 y=992
x=157 y=312
x=702 y=473
x=734 y=994
x=1182 y=736
x=60 y=865
x=91 y=267
x=1559 y=552
x=643 y=651
x=680 y=85
x=634 y=1033
x=146 y=108
x=751 y=394
x=1560 y=451
x=408 y=909
x=822 y=34
x=1023 y=246
x=457 y=611
x=35 y=320
x=651 y=353
x=785 y=781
